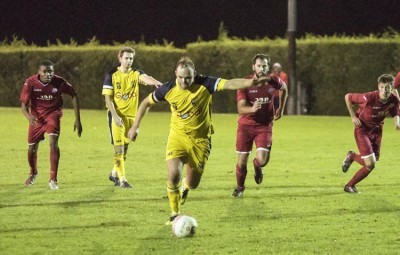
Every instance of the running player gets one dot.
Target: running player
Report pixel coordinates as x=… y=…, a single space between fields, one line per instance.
x=256 y=116
x=189 y=140
x=41 y=103
x=368 y=122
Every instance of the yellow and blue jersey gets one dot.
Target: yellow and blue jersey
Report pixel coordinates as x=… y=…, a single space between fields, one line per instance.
x=124 y=90
x=190 y=108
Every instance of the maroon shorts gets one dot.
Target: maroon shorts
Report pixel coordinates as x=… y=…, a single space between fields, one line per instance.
x=246 y=134
x=50 y=125
x=368 y=141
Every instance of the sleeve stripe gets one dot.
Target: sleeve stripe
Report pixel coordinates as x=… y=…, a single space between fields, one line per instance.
x=154 y=98
x=216 y=84
x=107 y=87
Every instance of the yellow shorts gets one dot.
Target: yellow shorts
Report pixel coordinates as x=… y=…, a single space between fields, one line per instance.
x=193 y=151
x=119 y=135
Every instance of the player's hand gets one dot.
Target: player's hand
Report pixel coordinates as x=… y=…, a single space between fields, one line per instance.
x=32 y=120
x=158 y=84
x=256 y=105
x=133 y=132
x=118 y=121
x=78 y=127
x=278 y=114
x=356 y=121
x=260 y=81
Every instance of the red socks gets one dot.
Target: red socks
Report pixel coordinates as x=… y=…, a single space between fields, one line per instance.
x=54 y=159
x=359 y=176
x=358 y=159
x=240 y=176
x=32 y=160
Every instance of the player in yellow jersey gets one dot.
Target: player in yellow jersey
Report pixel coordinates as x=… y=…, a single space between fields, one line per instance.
x=189 y=140
x=121 y=93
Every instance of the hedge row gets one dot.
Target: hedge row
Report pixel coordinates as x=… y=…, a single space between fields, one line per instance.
x=328 y=67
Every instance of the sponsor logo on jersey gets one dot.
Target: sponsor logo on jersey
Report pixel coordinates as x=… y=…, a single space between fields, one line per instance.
x=37 y=89
x=45 y=97
x=253 y=91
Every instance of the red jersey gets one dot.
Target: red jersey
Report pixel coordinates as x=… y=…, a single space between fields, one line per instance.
x=45 y=98
x=284 y=78
x=372 y=110
x=265 y=94
x=397 y=81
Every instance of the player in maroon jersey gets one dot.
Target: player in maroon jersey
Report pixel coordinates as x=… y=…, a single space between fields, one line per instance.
x=396 y=84
x=256 y=116
x=368 y=122
x=41 y=103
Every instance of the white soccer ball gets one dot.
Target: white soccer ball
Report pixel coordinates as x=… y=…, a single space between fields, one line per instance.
x=184 y=226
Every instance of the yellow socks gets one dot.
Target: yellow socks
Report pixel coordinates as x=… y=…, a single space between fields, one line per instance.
x=174 y=197
x=119 y=165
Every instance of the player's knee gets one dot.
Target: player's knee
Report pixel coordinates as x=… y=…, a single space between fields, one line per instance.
x=371 y=167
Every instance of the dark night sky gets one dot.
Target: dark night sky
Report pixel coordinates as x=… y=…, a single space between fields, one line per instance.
x=183 y=21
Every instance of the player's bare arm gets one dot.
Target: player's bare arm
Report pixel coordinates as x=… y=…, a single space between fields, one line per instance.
x=283 y=94
x=143 y=107
x=396 y=120
x=245 y=107
x=77 y=124
x=235 y=84
x=25 y=110
x=356 y=121
x=149 y=80
x=110 y=105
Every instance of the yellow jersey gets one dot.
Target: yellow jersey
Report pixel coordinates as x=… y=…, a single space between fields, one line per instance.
x=124 y=90
x=190 y=108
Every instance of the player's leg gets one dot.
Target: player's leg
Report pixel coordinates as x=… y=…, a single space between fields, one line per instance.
x=263 y=141
x=369 y=151
x=35 y=135
x=54 y=160
x=244 y=143
x=52 y=127
x=174 y=166
x=32 y=160
x=197 y=159
x=118 y=140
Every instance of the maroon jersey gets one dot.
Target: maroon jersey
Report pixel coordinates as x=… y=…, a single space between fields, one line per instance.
x=372 y=110
x=45 y=98
x=397 y=81
x=265 y=94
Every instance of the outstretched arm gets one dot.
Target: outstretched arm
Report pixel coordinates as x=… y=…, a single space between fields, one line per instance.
x=356 y=121
x=77 y=124
x=143 y=107
x=283 y=94
x=235 y=84
x=145 y=79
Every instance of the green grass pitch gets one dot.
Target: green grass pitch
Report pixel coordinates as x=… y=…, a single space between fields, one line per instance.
x=300 y=208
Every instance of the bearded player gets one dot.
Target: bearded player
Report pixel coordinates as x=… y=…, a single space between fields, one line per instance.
x=368 y=122
x=256 y=116
x=41 y=103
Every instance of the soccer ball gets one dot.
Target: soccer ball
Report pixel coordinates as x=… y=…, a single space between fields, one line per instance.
x=184 y=226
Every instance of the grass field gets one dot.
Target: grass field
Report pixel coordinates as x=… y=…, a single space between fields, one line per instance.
x=300 y=208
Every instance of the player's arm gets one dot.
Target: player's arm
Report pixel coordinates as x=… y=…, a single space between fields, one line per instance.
x=396 y=120
x=143 y=108
x=283 y=95
x=110 y=106
x=235 y=84
x=349 y=104
x=148 y=80
x=77 y=124
x=244 y=108
x=25 y=110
